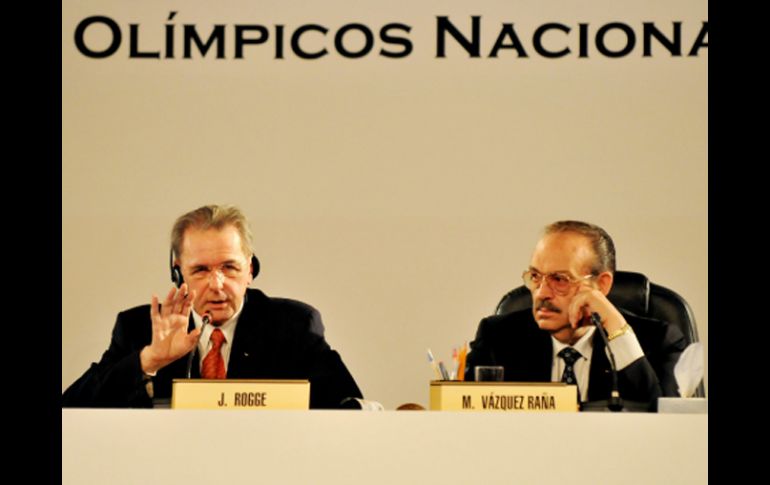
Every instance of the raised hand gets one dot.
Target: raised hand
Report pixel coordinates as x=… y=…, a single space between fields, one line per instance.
x=170 y=339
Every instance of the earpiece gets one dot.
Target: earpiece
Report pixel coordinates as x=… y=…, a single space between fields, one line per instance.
x=176 y=271
x=254 y=267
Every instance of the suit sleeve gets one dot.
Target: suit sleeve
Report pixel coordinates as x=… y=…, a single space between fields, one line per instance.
x=330 y=380
x=638 y=382
x=481 y=350
x=652 y=375
x=116 y=380
x=674 y=343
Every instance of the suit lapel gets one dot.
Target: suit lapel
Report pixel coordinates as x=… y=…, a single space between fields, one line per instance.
x=543 y=357
x=526 y=348
x=249 y=355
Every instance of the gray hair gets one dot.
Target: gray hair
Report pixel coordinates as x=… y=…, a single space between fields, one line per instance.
x=212 y=217
x=601 y=242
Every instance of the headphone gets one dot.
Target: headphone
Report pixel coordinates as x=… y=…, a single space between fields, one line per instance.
x=176 y=271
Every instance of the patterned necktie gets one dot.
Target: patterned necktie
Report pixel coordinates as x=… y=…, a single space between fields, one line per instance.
x=570 y=356
x=214 y=364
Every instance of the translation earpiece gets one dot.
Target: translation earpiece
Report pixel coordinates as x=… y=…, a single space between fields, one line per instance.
x=254 y=267
x=176 y=271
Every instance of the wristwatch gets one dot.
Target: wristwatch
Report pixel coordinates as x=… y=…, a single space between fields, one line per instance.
x=621 y=331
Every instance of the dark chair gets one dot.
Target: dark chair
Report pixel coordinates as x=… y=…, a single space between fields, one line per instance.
x=632 y=292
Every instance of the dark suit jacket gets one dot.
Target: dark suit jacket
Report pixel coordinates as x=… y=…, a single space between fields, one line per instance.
x=275 y=338
x=515 y=341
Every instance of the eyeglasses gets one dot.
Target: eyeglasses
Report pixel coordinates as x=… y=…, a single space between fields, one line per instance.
x=560 y=283
x=227 y=270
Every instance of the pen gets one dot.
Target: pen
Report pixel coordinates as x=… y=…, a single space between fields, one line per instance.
x=433 y=364
x=461 y=362
x=444 y=373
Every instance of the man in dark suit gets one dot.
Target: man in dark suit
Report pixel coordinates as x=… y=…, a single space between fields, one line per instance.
x=569 y=276
x=250 y=334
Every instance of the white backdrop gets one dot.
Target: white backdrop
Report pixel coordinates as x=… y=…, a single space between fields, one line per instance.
x=401 y=197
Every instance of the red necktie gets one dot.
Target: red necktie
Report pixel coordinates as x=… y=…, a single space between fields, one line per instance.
x=214 y=364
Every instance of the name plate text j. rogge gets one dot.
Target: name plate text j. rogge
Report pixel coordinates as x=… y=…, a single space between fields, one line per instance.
x=239 y=394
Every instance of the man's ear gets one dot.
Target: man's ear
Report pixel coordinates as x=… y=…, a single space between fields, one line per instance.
x=604 y=281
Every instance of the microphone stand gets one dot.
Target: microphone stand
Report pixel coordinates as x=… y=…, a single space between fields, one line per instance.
x=615 y=403
x=206 y=320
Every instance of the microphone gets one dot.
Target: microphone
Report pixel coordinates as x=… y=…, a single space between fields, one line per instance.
x=206 y=321
x=615 y=403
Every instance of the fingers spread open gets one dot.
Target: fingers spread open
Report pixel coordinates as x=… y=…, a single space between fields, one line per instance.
x=154 y=308
x=187 y=303
x=168 y=303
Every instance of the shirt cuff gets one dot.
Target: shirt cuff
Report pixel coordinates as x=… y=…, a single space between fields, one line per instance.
x=626 y=349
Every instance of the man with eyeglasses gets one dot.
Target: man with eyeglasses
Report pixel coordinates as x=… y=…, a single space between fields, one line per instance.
x=212 y=325
x=569 y=276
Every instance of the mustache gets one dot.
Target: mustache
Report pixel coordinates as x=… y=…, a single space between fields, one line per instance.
x=546 y=304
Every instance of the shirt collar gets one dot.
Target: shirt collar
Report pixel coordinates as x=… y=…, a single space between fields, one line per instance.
x=227 y=328
x=585 y=345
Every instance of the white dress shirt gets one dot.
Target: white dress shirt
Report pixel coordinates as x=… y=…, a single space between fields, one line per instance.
x=626 y=349
x=227 y=328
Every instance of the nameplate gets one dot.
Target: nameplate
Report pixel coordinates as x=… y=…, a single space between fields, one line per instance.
x=239 y=394
x=502 y=396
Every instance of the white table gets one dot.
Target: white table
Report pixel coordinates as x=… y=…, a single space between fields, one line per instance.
x=338 y=447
